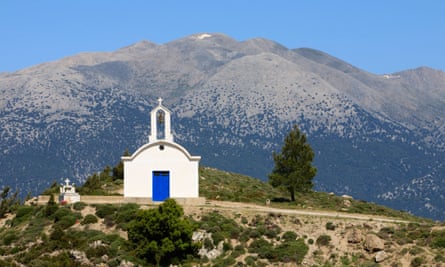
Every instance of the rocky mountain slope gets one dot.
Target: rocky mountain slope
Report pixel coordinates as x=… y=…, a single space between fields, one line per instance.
x=377 y=137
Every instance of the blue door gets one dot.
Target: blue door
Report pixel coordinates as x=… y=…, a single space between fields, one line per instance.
x=161 y=185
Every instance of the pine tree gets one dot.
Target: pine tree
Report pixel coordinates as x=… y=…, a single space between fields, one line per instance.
x=293 y=166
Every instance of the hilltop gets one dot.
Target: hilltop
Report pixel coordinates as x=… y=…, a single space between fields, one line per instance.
x=235 y=227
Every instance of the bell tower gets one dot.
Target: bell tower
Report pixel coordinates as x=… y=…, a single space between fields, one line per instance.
x=160 y=124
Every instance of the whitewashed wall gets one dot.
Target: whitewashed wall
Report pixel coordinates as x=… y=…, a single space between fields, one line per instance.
x=183 y=168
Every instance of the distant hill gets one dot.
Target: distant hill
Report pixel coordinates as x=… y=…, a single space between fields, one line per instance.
x=379 y=138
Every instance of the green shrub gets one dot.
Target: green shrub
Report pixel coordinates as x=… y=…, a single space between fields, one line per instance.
x=66 y=221
x=98 y=251
x=254 y=233
x=292 y=251
x=51 y=206
x=244 y=236
x=250 y=261
x=439 y=258
x=330 y=226
x=22 y=211
x=79 y=206
x=227 y=246
x=289 y=235
x=34 y=229
x=217 y=237
x=9 y=237
x=262 y=247
x=124 y=214
x=416 y=250
x=108 y=221
x=417 y=261
x=224 y=261
x=103 y=210
x=323 y=240
x=162 y=236
x=61 y=212
x=208 y=244
x=89 y=219
x=438 y=239
x=271 y=233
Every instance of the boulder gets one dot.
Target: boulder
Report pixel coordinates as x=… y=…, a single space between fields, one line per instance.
x=373 y=243
x=380 y=256
x=355 y=236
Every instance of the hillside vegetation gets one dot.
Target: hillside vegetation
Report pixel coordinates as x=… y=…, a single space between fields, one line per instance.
x=233 y=234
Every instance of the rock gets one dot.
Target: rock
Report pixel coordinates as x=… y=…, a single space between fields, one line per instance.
x=380 y=256
x=346 y=196
x=125 y=263
x=105 y=258
x=373 y=243
x=212 y=254
x=346 y=203
x=199 y=236
x=355 y=236
x=80 y=257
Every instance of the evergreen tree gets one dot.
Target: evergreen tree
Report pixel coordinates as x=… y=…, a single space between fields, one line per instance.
x=7 y=201
x=293 y=166
x=118 y=170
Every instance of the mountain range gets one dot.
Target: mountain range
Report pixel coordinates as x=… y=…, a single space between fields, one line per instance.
x=378 y=138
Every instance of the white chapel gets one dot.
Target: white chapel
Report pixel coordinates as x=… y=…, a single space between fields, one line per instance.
x=161 y=168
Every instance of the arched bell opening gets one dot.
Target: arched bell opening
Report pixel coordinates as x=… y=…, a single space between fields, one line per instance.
x=160 y=125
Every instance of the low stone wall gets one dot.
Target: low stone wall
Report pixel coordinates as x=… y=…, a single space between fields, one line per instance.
x=181 y=201
x=102 y=199
x=42 y=200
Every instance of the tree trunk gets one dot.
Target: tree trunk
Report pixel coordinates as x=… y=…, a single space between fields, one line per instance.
x=292 y=194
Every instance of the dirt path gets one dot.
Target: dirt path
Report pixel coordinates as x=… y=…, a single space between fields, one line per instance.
x=238 y=206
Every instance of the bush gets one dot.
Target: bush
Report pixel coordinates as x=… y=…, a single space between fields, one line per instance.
x=79 y=206
x=104 y=210
x=51 y=206
x=9 y=237
x=89 y=219
x=22 y=211
x=162 y=236
x=254 y=233
x=438 y=239
x=262 y=247
x=417 y=261
x=125 y=214
x=66 y=221
x=217 y=237
x=289 y=236
x=292 y=251
x=60 y=213
x=208 y=244
x=323 y=240
x=330 y=226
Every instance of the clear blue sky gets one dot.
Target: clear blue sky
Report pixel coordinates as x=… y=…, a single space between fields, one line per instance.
x=380 y=36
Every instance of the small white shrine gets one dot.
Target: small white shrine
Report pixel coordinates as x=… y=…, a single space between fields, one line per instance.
x=161 y=168
x=68 y=193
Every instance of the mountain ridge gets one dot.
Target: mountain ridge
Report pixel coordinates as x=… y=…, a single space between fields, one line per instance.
x=233 y=103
